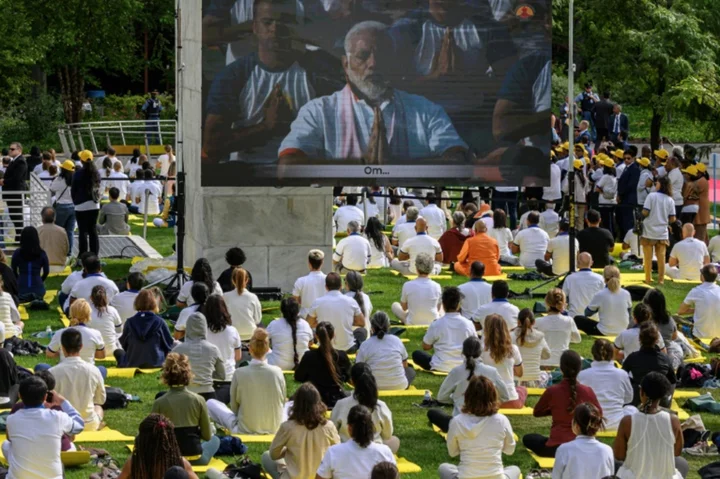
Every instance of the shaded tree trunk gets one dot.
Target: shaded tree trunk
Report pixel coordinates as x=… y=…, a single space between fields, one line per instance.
x=72 y=92
x=657 y=118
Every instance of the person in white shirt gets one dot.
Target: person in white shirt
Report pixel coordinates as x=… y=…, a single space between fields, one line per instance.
x=201 y=273
x=310 y=287
x=631 y=247
x=244 y=306
x=386 y=356
x=347 y=213
x=499 y=291
x=581 y=286
x=500 y=353
x=557 y=256
x=148 y=193
x=532 y=205
x=353 y=252
x=435 y=217
x=93 y=346
x=533 y=348
x=559 y=329
x=93 y=277
x=476 y=293
x=47 y=160
x=420 y=299
x=380 y=247
x=290 y=336
x=585 y=456
x=612 y=304
x=628 y=341
x=342 y=312
x=70 y=282
x=531 y=242
x=39 y=428
x=659 y=213
x=606 y=188
x=552 y=193
x=646 y=181
x=164 y=160
x=703 y=302
x=354 y=289
x=200 y=294
x=445 y=336
x=421 y=243
x=356 y=457
x=119 y=180
x=687 y=256
x=124 y=302
x=405 y=230
x=222 y=333
x=480 y=436
x=714 y=249
x=611 y=385
x=549 y=220
x=502 y=234
x=81 y=383
x=105 y=319
x=675 y=176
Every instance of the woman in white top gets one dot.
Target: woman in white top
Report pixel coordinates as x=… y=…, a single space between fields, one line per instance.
x=386 y=356
x=646 y=182
x=222 y=333
x=659 y=213
x=105 y=172
x=533 y=348
x=354 y=285
x=502 y=234
x=628 y=341
x=201 y=273
x=584 y=456
x=648 y=441
x=581 y=189
x=612 y=304
x=611 y=385
x=119 y=180
x=500 y=353
x=290 y=336
x=93 y=346
x=163 y=162
x=9 y=315
x=365 y=394
x=244 y=306
x=607 y=189
x=105 y=319
x=61 y=188
x=380 y=247
x=480 y=436
x=559 y=329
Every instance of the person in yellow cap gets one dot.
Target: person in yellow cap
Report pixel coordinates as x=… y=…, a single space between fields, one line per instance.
x=646 y=182
x=619 y=157
x=660 y=156
x=606 y=187
x=86 y=197
x=61 y=189
x=581 y=188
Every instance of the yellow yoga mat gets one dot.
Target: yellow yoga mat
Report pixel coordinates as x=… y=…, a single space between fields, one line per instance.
x=535 y=391
x=268 y=438
x=64 y=319
x=104 y=435
x=107 y=359
x=495 y=278
x=698 y=360
x=64 y=272
x=129 y=372
x=543 y=462
x=23 y=312
x=524 y=411
x=406 y=467
x=513 y=269
x=74 y=458
x=606 y=434
x=682 y=281
x=684 y=394
x=412 y=326
x=681 y=413
x=215 y=463
x=436 y=373
x=414 y=276
x=412 y=391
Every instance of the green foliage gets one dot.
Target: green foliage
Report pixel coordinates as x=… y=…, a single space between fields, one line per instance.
x=127 y=107
x=33 y=121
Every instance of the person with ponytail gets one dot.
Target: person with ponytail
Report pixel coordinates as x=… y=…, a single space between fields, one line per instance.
x=244 y=306
x=559 y=329
x=290 y=336
x=649 y=358
x=93 y=346
x=86 y=194
x=257 y=394
x=611 y=304
x=559 y=401
x=452 y=390
x=354 y=284
x=199 y=294
x=585 y=456
x=480 y=436
x=222 y=333
x=611 y=385
x=156 y=451
x=105 y=319
x=386 y=356
x=533 y=348
x=201 y=273
x=656 y=454
x=356 y=457
x=500 y=353
x=366 y=394
x=326 y=368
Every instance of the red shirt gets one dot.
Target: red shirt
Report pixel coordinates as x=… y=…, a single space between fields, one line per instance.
x=554 y=402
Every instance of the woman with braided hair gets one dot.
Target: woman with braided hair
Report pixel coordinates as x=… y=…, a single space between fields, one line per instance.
x=290 y=336
x=585 y=456
x=648 y=441
x=559 y=401
x=156 y=451
x=386 y=356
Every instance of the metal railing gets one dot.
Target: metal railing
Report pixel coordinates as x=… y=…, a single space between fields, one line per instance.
x=22 y=208
x=95 y=136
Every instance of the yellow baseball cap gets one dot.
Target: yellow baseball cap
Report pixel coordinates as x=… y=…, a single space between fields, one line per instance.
x=691 y=170
x=86 y=155
x=552 y=154
x=68 y=165
x=701 y=167
x=643 y=161
x=565 y=146
x=662 y=154
x=608 y=162
x=619 y=154
x=578 y=164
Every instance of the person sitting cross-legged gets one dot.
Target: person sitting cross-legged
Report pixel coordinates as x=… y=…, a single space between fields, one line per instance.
x=703 y=302
x=499 y=291
x=476 y=293
x=500 y=353
x=114 y=216
x=560 y=330
x=688 y=256
x=52 y=241
x=557 y=256
x=481 y=247
x=124 y=302
x=311 y=286
x=386 y=356
x=531 y=242
x=581 y=286
x=92 y=344
x=352 y=253
x=420 y=298
x=597 y=241
x=445 y=336
x=146 y=338
x=612 y=304
x=628 y=341
x=421 y=243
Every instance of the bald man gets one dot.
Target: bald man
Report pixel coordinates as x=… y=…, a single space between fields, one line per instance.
x=687 y=256
x=421 y=243
x=581 y=286
x=480 y=247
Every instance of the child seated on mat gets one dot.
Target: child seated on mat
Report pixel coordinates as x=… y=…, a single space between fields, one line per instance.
x=533 y=348
x=585 y=456
x=559 y=329
x=500 y=353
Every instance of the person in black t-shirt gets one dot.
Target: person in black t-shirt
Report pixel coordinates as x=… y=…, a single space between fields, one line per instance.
x=235 y=257
x=597 y=241
x=647 y=360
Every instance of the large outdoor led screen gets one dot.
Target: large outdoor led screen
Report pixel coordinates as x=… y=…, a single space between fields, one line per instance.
x=340 y=92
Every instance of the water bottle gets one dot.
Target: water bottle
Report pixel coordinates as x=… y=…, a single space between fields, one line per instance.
x=48 y=332
x=428 y=396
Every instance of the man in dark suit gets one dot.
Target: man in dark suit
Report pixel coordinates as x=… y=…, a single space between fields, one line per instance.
x=602 y=111
x=627 y=192
x=14 y=181
x=619 y=125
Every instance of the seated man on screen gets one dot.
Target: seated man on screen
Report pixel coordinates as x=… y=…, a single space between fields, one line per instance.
x=368 y=121
x=253 y=100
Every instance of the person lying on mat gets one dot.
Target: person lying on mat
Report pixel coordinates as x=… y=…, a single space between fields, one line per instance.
x=257 y=394
x=146 y=339
x=581 y=286
x=628 y=341
x=612 y=304
x=500 y=353
x=585 y=456
x=452 y=390
x=500 y=290
x=480 y=435
x=35 y=432
x=476 y=293
x=533 y=348
x=559 y=329
x=302 y=440
x=386 y=356
x=156 y=451
x=559 y=401
x=445 y=336
x=420 y=298
x=187 y=410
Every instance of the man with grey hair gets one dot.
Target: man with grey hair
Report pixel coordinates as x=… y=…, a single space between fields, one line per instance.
x=369 y=121
x=53 y=240
x=406 y=230
x=420 y=300
x=421 y=243
x=352 y=253
x=619 y=125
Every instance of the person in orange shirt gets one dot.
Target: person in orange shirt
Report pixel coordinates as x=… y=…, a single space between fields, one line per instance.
x=481 y=247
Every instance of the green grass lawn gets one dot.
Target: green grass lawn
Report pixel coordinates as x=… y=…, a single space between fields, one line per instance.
x=419 y=444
